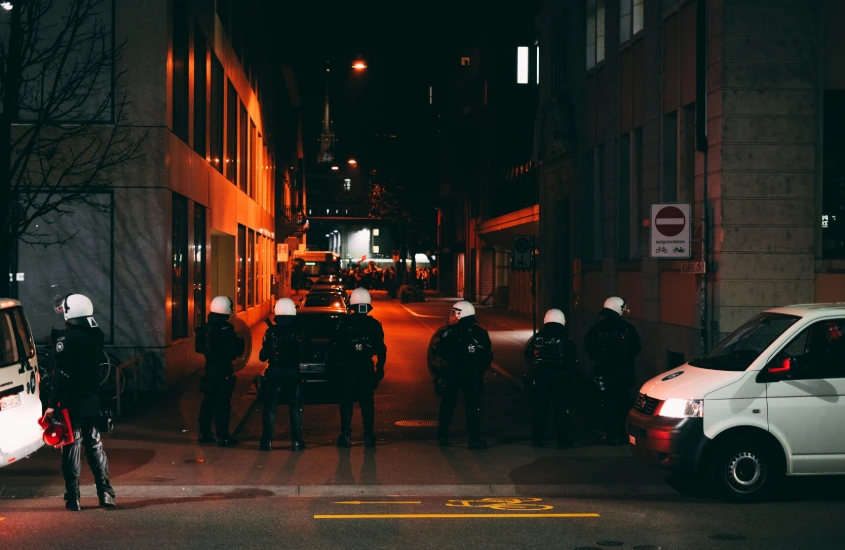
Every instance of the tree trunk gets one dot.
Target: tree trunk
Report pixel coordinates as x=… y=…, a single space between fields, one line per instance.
x=11 y=85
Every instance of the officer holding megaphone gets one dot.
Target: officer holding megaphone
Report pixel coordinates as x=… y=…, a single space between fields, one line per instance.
x=74 y=403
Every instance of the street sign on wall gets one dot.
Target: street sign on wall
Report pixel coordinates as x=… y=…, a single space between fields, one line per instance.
x=671 y=236
x=523 y=246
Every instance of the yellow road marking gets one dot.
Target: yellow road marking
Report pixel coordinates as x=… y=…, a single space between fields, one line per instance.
x=448 y=516
x=380 y=502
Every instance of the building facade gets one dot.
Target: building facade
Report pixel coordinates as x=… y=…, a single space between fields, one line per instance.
x=194 y=217
x=735 y=107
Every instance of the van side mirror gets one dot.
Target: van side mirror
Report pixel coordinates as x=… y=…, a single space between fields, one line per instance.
x=780 y=368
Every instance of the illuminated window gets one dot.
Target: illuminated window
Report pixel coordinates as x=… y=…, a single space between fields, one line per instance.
x=595 y=32
x=465 y=62
x=538 y=64
x=375 y=249
x=522 y=65
x=375 y=232
x=430 y=95
x=347 y=184
x=630 y=19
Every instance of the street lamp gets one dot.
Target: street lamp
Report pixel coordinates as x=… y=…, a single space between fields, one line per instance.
x=335 y=168
x=352 y=162
x=8 y=7
x=359 y=65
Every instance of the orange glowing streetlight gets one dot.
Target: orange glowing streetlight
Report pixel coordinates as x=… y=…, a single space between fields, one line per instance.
x=359 y=65
x=352 y=162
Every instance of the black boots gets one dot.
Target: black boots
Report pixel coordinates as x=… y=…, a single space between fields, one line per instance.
x=107 y=501
x=73 y=504
x=297 y=445
x=206 y=437
x=344 y=440
x=266 y=445
x=227 y=441
x=369 y=440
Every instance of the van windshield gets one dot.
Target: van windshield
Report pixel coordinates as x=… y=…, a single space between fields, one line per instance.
x=745 y=344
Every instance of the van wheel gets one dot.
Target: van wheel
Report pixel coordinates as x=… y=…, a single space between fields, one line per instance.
x=744 y=469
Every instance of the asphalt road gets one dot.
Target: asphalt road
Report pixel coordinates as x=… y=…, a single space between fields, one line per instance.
x=250 y=520
x=174 y=493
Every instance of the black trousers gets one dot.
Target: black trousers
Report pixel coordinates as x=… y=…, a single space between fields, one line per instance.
x=361 y=392
x=215 y=408
x=86 y=434
x=552 y=393
x=615 y=402
x=283 y=387
x=471 y=387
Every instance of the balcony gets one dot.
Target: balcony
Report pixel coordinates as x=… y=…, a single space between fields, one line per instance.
x=291 y=221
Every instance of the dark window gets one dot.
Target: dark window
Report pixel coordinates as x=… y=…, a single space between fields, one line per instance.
x=588 y=236
x=217 y=89
x=670 y=157
x=253 y=159
x=231 y=131
x=250 y=268
x=833 y=193
x=623 y=225
x=181 y=42
x=241 y=267
x=637 y=201
x=200 y=86
x=818 y=351
x=558 y=55
x=10 y=345
x=24 y=333
x=199 y=264
x=179 y=265
x=242 y=151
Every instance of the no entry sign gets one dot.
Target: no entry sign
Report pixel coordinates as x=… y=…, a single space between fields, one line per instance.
x=670 y=231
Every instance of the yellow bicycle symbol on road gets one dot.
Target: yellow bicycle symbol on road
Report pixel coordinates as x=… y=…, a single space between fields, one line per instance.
x=531 y=504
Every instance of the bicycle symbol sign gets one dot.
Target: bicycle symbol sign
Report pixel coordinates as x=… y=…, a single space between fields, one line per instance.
x=532 y=504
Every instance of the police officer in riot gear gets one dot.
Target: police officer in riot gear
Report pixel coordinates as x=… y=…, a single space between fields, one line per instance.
x=613 y=344
x=79 y=352
x=553 y=363
x=466 y=353
x=359 y=337
x=283 y=347
x=218 y=341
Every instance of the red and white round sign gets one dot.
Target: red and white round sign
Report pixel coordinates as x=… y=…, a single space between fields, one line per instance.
x=670 y=221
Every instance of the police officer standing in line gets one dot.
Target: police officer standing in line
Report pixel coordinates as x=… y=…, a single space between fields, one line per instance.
x=554 y=368
x=359 y=337
x=79 y=352
x=283 y=347
x=466 y=351
x=613 y=344
x=218 y=341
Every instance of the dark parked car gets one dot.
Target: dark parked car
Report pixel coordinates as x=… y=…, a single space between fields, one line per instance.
x=319 y=313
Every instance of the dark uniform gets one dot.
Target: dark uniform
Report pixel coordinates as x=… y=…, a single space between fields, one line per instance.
x=613 y=344
x=554 y=370
x=283 y=347
x=359 y=338
x=466 y=352
x=79 y=352
x=220 y=344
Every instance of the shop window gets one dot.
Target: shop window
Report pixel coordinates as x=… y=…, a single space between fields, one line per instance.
x=623 y=221
x=179 y=268
x=241 y=267
x=250 y=268
x=199 y=263
x=833 y=192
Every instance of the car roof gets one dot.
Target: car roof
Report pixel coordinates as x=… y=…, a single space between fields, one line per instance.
x=8 y=302
x=811 y=310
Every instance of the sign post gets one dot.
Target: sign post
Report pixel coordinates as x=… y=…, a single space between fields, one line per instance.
x=671 y=236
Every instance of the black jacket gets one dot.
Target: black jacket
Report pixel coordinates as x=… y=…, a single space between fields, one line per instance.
x=551 y=352
x=613 y=343
x=79 y=353
x=359 y=337
x=220 y=344
x=283 y=345
x=465 y=348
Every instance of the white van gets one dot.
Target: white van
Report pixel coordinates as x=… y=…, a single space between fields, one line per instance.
x=768 y=401
x=20 y=405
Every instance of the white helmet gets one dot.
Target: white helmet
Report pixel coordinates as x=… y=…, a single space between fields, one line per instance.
x=461 y=310
x=285 y=306
x=617 y=304
x=75 y=306
x=222 y=305
x=555 y=316
x=360 y=296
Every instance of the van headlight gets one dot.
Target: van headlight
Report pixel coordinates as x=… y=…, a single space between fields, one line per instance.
x=682 y=408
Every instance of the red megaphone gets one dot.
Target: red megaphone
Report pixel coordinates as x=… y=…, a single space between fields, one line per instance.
x=57 y=431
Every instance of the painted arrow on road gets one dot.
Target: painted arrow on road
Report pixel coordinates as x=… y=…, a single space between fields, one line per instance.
x=384 y=502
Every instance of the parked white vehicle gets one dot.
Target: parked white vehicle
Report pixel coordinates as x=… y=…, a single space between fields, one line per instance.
x=768 y=401
x=20 y=405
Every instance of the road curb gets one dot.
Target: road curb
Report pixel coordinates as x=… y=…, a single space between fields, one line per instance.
x=314 y=491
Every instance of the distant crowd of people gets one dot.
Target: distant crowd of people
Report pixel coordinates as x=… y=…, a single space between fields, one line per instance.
x=371 y=277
